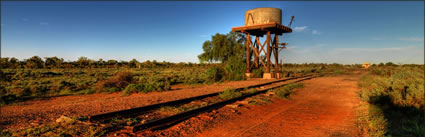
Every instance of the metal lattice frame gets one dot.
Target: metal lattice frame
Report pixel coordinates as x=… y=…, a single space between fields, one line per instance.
x=270 y=46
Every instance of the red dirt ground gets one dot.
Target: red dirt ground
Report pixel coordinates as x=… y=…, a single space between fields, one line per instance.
x=42 y=111
x=326 y=106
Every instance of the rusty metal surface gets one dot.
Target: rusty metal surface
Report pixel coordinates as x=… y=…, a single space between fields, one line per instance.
x=262 y=29
x=260 y=22
x=262 y=16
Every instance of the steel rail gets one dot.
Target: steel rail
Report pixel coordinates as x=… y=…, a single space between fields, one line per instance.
x=171 y=120
x=140 y=110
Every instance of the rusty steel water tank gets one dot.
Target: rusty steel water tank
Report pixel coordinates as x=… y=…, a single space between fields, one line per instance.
x=263 y=16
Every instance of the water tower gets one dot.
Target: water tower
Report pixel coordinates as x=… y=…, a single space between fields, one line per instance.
x=260 y=22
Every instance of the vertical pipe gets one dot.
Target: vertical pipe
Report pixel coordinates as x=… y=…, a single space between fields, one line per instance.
x=276 y=52
x=257 y=59
x=248 y=55
x=268 y=52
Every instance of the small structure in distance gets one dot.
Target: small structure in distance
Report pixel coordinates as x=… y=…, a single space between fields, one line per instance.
x=366 y=65
x=260 y=22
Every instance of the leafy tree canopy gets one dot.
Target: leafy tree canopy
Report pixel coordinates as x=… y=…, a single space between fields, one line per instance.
x=222 y=47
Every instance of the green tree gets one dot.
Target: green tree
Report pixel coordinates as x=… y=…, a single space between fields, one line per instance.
x=13 y=62
x=34 y=62
x=4 y=62
x=133 y=63
x=222 y=47
x=100 y=63
x=123 y=63
x=112 y=63
x=53 y=62
x=228 y=49
x=235 y=68
x=83 y=61
x=390 y=64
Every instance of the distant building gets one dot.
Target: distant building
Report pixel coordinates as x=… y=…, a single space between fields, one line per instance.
x=366 y=65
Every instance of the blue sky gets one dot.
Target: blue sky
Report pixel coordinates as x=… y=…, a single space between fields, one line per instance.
x=324 y=32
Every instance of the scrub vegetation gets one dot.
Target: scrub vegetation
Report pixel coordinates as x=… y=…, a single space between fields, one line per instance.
x=20 y=82
x=285 y=91
x=67 y=128
x=396 y=97
x=222 y=60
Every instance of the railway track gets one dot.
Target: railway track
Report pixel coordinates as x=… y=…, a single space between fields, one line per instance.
x=209 y=102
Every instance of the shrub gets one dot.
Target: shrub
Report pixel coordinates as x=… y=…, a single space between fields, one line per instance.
x=38 y=89
x=339 y=71
x=377 y=126
x=2 y=90
x=6 y=99
x=68 y=128
x=192 y=77
x=404 y=85
x=251 y=90
x=19 y=91
x=154 y=84
x=235 y=69
x=116 y=83
x=65 y=92
x=395 y=94
x=131 y=88
x=147 y=84
x=111 y=89
x=87 y=91
x=214 y=74
x=229 y=94
x=168 y=110
x=258 y=73
x=65 y=84
x=285 y=91
x=2 y=76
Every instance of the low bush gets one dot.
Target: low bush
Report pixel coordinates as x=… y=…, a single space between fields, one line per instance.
x=115 y=83
x=235 y=69
x=131 y=88
x=339 y=71
x=214 y=74
x=258 y=73
x=229 y=94
x=20 y=91
x=146 y=85
x=154 y=84
x=38 y=89
x=403 y=85
x=192 y=76
x=377 y=122
x=87 y=91
x=62 y=129
x=285 y=91
x=111 y=89
x=251 y=90
x=395 y=94
x=7 y=99
x=65 y=92
x=168 y=110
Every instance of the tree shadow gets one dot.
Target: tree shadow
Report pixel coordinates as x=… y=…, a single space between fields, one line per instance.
x=401 y=120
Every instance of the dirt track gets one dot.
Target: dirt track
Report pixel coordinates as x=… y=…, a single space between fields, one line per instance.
x=43 y=111
x=324 y=107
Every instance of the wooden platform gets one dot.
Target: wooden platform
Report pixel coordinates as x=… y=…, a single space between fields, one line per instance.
x=260 y=30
